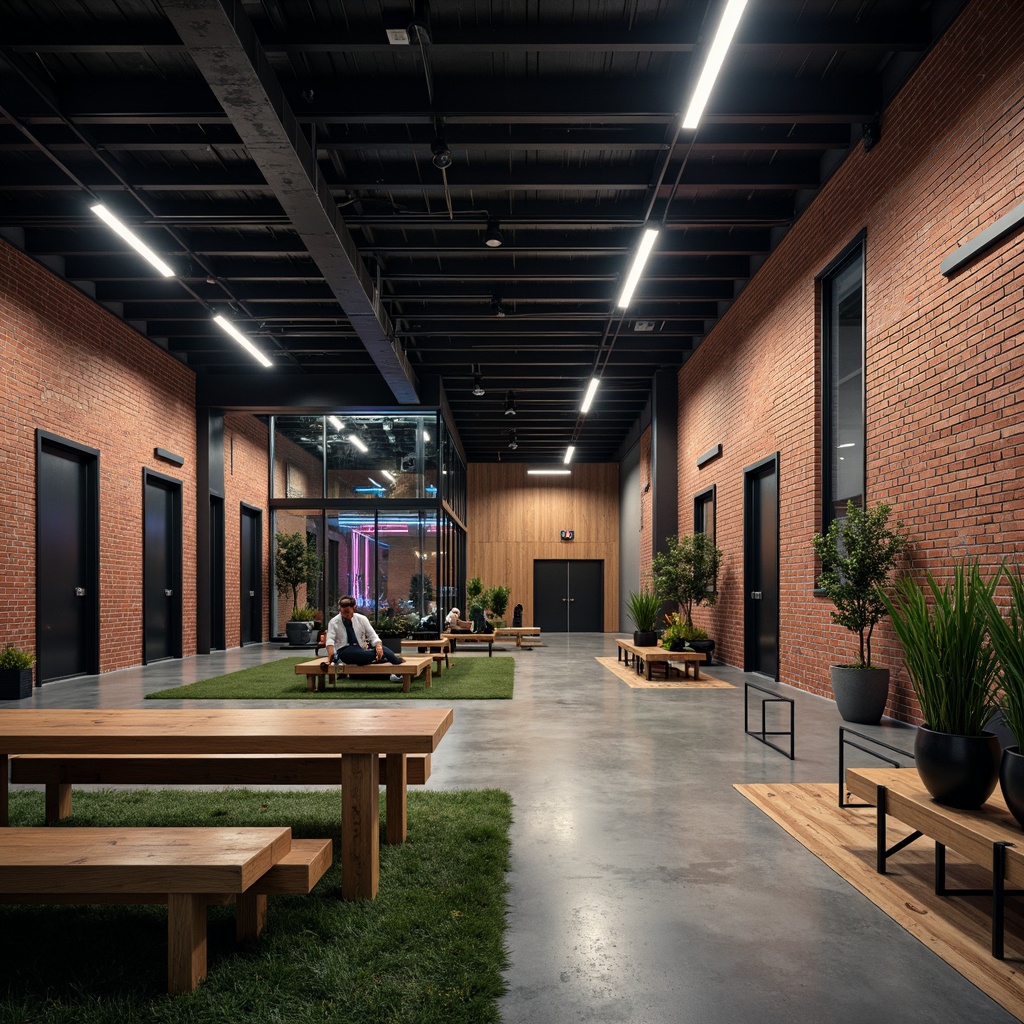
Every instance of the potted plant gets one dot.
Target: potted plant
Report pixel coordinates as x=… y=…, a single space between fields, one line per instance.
x=475 y=603
x=1007 y=638
x=392 y=626
x=15 y=673
x=496 y=599
x=687 y=573
x=857 y=555
x=954 y=672
x=643 y=610
x=297 y=564
x=676 y=636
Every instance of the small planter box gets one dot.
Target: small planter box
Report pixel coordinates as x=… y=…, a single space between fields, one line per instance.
x=15 y=683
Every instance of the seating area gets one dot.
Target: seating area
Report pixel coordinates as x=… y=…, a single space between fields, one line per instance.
x=644 y=658
x=319 y=673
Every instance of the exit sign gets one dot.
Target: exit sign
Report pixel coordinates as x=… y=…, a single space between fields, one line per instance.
x=568 y=535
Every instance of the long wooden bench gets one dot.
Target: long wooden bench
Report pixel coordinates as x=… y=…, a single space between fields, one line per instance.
x=58 y=772
x=186 y=868
x=645 y=657
x=439 y=650
x=318 y=671
x=521 y=633
x=473 y=639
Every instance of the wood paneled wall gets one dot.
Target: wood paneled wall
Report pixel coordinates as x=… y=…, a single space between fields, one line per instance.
x=514 y=518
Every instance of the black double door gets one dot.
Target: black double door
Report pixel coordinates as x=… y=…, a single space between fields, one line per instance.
x=162 y=571
x=568 y=595
x=67 y=559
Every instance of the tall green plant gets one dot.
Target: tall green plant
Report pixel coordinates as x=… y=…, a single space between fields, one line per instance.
x=643 y=609
x=951 y=663
x=497 y=600
x=857 y=555
x=296 y=564
x=1007 y=638
x=687 y=572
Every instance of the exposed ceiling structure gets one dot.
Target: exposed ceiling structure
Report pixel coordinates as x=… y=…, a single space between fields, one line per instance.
x=450 y=190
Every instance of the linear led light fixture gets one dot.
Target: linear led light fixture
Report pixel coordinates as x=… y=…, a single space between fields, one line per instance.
x=336 y=423
x=357 y=442
x=588 y=398
x=713 y=64
x=229 y=328
x=569 y=452
x=389 y=475
x=131 y=238
x=642 y=252
x=549 y=472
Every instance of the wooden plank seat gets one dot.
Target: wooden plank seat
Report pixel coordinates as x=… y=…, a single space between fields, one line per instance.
x=318 y=671
x=439 y=650
x=58 y=772
x=186 y=868
x=645 y=657
x=472 y=640
x=521 y=633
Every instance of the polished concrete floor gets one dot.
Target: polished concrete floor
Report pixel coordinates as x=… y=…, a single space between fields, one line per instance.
x=644 y=888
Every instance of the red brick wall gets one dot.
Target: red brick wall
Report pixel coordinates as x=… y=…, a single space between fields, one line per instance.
x=246 y=445
x=72 y=368
x=945 y=420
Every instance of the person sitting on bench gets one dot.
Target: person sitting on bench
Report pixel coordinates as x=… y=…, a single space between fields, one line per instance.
x=453 y=624
x=351 y=639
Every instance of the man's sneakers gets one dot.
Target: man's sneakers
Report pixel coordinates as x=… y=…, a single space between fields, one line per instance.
x=395 y=678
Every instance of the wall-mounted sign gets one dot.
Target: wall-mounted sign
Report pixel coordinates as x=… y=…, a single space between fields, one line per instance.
x=568 y=534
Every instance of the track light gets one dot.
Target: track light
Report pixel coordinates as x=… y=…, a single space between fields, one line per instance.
x=442 y=157
x=569 y=454
x=478 y=386
x=229 y=328
x=512 y=442
x=493 y=238
x=643 y=251
x=589 y=396
x=713 y=64
x=497 y=307
x=133 y=239
x=356 y=442
x=510 y=404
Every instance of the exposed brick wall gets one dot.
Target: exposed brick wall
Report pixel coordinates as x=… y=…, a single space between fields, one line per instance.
x=945 y=420
x=246 y=454
x=71 y=368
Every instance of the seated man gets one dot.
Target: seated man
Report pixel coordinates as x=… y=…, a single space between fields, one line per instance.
x=453 y=624
x=351 y=639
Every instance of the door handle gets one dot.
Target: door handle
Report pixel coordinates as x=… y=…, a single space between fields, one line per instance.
x=79 y=591
x=571 y=600
x=252 y=593
x=168 y=593
x=755 y=595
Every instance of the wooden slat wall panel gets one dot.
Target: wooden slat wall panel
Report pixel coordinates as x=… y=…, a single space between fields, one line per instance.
x=514 y=519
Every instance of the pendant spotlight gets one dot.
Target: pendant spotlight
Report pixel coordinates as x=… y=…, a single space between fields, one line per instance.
x=442 y=155
x=510 y=404
x=478 y=385
x=493 y=238
x=512 y=442
x=498 y=307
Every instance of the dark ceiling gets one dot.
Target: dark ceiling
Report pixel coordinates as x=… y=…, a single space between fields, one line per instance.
x=279 y=155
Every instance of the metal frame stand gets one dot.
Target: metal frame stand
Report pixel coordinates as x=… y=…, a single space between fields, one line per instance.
x=843 y=742
x=772 y=698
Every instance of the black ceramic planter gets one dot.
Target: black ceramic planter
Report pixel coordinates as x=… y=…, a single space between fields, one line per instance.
x=1011 y=781
x=647 y=638
x=15 y=683
x=861 y=693
x=958 y=771
x=705 y=647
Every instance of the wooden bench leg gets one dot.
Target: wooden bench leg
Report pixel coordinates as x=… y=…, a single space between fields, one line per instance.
x=58 y=802
x=696 y=670
x=427 y=677
x=250 y=916
x=360 y=826
x=186 y=941
x=396 y=817
x=4 y=775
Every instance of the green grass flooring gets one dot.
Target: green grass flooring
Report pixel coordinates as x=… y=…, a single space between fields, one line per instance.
x=469 y=677
x=428 y=950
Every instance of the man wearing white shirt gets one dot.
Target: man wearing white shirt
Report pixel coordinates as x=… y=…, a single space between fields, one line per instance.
x=351 y=639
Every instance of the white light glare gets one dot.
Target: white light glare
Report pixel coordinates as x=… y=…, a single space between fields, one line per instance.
x=336 y=423
x=569 y=452
x=646 y=245
x=716 y=56
x=357 y=442
x=242 y=340
x=131 y=238
x=389 y=475
x=589 y=396
x=549 y=472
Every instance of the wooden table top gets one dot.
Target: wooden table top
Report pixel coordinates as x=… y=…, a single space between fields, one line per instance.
x=224 y=730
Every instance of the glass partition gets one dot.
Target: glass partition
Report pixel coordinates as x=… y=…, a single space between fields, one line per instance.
x=374 y=457
x=309 y=524
x=298 y=457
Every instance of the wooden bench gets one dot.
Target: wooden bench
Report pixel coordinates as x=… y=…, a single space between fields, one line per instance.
x=645 y=657
x=473 y=639
x=58 y=772
x=186 y=868
x=439 y=650
x=318 y=672
x=989 y=837
x=521 y=633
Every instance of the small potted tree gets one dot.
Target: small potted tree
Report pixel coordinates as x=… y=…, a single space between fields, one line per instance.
x=687 y=573
x=857 y=555
x=297 y=564
x=643 y=610
x=15 y=673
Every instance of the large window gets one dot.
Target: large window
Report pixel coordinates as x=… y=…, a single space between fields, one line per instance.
x=704 y=513
x=843 y=397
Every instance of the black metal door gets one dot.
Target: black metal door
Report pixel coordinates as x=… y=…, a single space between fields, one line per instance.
x=761 y=568
x=251 y=577
x=568 y=595
x=67 y=562
x=161 y=562
x=218 y=631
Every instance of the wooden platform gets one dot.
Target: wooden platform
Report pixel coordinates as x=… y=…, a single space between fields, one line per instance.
x=412 y=666
x=646 y=657
x=521 y=633
x=471 y=640
x=439 y=650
